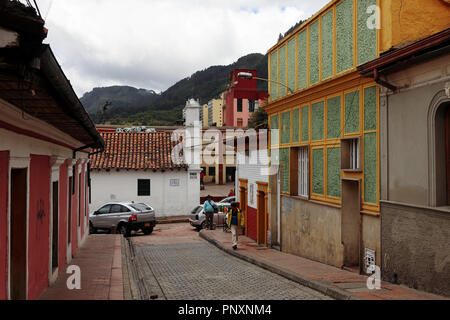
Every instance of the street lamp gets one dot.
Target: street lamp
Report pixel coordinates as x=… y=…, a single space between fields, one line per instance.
x=249 y=76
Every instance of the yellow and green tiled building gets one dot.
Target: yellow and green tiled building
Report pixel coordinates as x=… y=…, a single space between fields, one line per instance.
x=328 y=118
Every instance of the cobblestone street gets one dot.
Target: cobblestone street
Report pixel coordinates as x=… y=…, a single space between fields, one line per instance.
x=177 y=264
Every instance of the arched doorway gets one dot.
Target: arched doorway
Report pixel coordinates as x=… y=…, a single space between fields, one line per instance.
x=442 y=154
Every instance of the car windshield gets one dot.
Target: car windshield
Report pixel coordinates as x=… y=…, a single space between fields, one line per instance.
x=140 y=207
x=228 y=200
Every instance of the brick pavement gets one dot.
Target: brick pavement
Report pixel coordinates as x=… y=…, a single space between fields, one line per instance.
x=337 y=282
x=100 y=262
x=178 y=264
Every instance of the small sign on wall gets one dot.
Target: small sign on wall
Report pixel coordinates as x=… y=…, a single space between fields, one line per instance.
x=174 y=182
x=193 y=176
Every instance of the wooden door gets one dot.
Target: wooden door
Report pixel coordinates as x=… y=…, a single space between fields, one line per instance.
x=262 y=229
x=447 y=135
x=18 y=234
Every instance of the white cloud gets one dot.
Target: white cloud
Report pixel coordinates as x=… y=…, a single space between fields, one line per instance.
x=154 y=43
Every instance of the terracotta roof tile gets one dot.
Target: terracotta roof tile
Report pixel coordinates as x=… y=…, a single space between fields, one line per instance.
x=137 y=151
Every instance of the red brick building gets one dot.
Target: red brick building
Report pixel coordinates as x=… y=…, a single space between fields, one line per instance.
x=45 y=138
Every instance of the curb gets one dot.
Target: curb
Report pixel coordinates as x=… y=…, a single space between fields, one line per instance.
x=170 y=221
x=319 y=286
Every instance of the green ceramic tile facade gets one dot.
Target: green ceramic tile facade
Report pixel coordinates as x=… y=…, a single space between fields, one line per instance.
x=327 y=45
x=370 y=168
x=284 y=166
x=302 y=72
x=318 y=120
x=296 y=125
x=352 y=112
x=274 y=75
x=291 y=64
x=305 y=124
x=334 y=118
x=344 y=29
x=274 y=125
x=370 y=108
x=286 y=128
x=282 y=70
x=314 y=53
x=367 y=38
x=317 y=171
x=334 y=172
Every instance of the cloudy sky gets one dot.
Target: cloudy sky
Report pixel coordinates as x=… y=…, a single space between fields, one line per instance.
x=152 y=44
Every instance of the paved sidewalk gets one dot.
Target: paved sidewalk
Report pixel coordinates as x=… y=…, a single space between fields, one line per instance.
x=335 y=282
x=100 y=261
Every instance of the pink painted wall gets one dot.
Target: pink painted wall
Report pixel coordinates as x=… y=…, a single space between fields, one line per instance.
x=82 y=199
x=4 y=183
x=39 y=224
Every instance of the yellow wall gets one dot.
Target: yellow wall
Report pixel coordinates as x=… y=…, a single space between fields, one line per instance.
x=217 y=105
x=409 y=20
x=205 y=115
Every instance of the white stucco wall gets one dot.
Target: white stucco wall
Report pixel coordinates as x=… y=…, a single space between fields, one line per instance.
x=246 y=169
x=166 y=200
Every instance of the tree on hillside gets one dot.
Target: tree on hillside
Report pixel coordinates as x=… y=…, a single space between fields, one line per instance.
x=259 y=119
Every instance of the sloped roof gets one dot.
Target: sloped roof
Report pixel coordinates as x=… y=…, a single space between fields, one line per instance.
x=136 y=151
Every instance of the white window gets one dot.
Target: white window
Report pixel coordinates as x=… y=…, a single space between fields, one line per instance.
x=303 y=172
x=174 y=182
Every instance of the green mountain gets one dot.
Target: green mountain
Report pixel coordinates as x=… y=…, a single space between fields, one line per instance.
x=130 y=106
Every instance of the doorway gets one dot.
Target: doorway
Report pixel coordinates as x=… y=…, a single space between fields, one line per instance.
x=262 y=218
x=351 y=222
x=447 y=141
x=243 y=201
x=55 y=222
x=69 y=215
x=18 y=232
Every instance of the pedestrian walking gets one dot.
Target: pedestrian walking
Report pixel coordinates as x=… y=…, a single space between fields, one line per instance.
x=202 y=180
x=235 y=220
x=208 y=207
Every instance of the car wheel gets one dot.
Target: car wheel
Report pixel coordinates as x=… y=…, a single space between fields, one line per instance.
x=92 y=230
x=203 y=225
x=123 y=230
x=148 y=231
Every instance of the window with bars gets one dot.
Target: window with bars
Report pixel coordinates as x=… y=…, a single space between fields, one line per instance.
x=303 y=172
x=143 y=187
x=351 y=154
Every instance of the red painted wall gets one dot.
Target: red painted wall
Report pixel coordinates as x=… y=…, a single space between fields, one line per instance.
x=38 y=225
x=251 y=222
x=63 y=191
x=4 y=183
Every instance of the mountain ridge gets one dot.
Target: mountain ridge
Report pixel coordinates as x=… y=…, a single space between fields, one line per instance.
x=132 y=106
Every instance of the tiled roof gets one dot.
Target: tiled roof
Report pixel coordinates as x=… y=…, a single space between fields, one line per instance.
x=136 y=151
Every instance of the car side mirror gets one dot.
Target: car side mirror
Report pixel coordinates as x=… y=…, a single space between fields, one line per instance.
x=96 y=213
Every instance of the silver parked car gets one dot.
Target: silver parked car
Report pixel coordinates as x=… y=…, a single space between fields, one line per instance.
x=198 y=217
x=123 y=217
